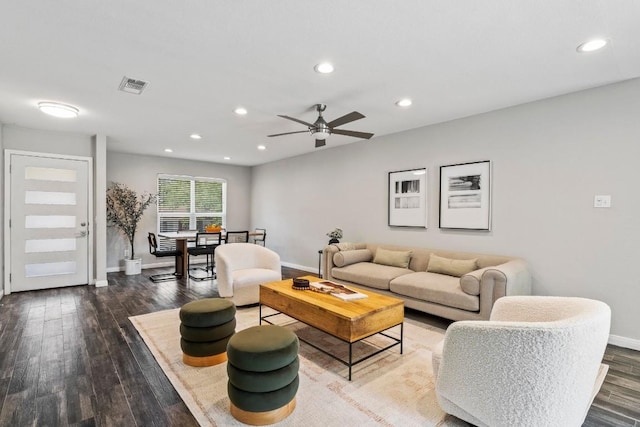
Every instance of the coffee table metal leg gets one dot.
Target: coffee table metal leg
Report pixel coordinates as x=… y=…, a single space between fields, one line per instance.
x=350 y=359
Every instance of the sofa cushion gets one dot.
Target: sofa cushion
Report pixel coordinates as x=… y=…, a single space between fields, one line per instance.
x=250 y=276
x=392 y=258
x=451 y=267
x=369 y=274
x=342 y=258
x=436 y=288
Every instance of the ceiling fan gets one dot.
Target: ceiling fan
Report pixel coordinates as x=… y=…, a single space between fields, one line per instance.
x=321 y=130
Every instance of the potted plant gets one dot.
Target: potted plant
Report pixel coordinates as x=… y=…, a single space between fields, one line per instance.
x=124 y=210
x=335 y=235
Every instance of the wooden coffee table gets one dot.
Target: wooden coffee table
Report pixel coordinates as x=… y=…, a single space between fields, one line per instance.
x=349 y=321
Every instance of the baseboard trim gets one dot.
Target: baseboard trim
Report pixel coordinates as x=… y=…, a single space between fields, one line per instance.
x=301 y=267
x=625 y=342
x=101 y=283
x=144 y=266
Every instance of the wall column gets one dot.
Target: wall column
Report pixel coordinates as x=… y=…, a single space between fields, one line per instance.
x=100 y=210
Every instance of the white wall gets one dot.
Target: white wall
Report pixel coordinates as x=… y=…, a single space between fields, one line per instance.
x=549 y=160
x=67 y=143
x=141 y=172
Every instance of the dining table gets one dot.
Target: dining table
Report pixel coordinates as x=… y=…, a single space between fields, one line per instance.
x=182 y=239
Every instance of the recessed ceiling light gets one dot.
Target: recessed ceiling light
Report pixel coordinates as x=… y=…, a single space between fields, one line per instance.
x=324 y=68
x=240 y=111
x=261 y=147
x=57 y=109
x=405 y=102
x=592 y=45
x=168 y=150
x=195 y=136
x=227 y=158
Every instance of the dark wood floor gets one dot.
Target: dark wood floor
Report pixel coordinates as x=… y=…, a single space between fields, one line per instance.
x=70 y=356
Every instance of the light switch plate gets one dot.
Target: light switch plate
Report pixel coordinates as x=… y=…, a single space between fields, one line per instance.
x=602 y=201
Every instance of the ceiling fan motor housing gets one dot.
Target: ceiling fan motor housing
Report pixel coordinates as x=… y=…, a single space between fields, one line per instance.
x=320 y=129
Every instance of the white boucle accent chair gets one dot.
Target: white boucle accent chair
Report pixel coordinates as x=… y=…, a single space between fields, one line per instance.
x=535 y=362
x=242 y=267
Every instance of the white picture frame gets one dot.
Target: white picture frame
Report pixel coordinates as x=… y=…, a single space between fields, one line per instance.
x=408 y=198
x=465 y=196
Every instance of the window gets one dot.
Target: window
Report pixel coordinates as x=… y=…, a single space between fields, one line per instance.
x=190 y=203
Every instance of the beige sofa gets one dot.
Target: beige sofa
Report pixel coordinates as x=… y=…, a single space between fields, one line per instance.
x=450 y=284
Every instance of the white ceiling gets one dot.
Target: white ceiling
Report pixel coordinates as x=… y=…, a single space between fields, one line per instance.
x=204 y=58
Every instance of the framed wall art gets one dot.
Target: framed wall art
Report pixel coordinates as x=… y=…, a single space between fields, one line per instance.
x=408 y=198
x=465 y=196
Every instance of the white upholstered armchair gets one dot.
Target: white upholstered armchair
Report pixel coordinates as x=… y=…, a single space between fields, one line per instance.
x=242 y=267
x=536 y=362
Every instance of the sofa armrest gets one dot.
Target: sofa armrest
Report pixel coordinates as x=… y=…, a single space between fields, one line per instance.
x=327 y=261
x=223 y=275
x=487 y=366
x=510 y=278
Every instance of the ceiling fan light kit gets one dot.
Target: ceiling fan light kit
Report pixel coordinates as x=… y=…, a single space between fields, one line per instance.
x=321 y=130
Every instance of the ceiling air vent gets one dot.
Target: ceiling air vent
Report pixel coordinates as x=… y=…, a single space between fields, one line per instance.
x=132 y=85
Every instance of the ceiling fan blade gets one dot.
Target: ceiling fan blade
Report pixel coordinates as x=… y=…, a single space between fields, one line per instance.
x=296 y=120
x=320 y=143
x=289 y=133
x=347 y=118
x=364 y=135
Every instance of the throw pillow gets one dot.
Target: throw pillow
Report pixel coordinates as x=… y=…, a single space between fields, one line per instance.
x=451 y=267
x=470 y=282
x=343 y=258
x=346 y=246
x=392 y=258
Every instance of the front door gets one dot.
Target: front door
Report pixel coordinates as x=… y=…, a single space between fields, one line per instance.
x=49 y=222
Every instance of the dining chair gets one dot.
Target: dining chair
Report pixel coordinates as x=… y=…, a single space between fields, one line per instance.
x=237 y=237
x=205 y=244
x=260 y=236
x=153 y=249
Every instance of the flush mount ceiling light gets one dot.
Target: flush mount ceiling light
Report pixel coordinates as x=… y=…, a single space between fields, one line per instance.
x=240 y=111
x=324 y=68
x=168 y=150
x=227 y=158
x=592 y=45
x=57 y=109
x=261 y=147
x=195 y=136
x=405 y=102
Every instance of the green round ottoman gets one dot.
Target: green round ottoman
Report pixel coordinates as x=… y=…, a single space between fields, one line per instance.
x=263 y=374
x=205 y=329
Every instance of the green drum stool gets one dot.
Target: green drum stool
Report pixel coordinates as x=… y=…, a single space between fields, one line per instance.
x=205 y=329
x=263 y=374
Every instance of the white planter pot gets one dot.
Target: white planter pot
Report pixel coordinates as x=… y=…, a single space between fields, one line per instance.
x=132 y=266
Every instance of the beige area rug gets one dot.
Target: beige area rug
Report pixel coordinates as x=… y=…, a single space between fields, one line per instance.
x=389 y=389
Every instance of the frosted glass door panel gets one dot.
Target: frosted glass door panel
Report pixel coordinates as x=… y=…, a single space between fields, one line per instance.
x=49 y=221
x=49 y=198
x=50 y=174
x=49 y=245
x=50 y=269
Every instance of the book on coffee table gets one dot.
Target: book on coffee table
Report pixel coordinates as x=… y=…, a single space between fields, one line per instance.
x=336 y=289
